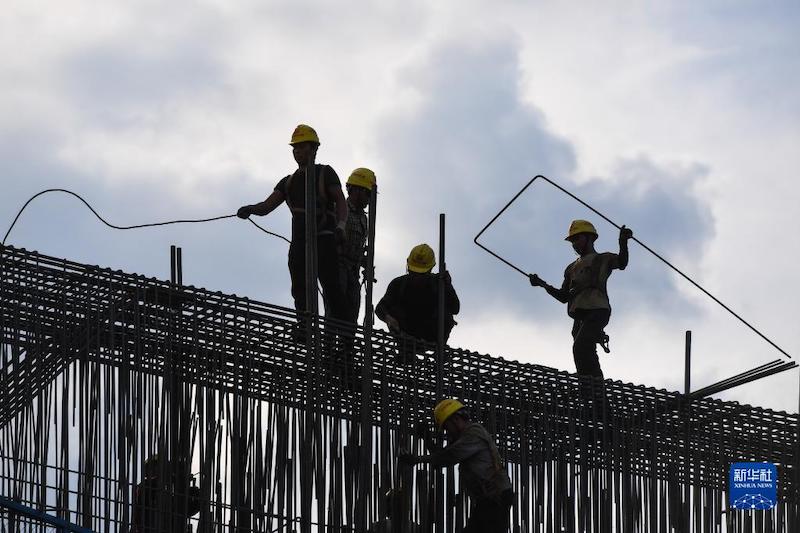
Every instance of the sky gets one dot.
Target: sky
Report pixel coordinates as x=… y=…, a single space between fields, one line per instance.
x=680 y=120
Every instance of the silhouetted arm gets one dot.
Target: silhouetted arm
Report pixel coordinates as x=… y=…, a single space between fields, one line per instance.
x=562 y=294
x=262 y=208
x=624 y=235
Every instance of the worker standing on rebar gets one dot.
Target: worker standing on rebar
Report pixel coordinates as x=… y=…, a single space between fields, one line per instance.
x=481 y=468
x=584 y=291
x=331 y=210
x=410 y=306
x=352 y=252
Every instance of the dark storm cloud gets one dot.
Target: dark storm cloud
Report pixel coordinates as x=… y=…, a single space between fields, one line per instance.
x=472 y=143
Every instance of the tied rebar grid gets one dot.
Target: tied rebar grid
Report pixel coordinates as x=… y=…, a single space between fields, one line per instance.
x=101 y=369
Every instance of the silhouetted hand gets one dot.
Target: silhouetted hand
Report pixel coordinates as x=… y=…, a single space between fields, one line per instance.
x=535 y=280
x=244 y=212
x=447 y=278
x=625 y=234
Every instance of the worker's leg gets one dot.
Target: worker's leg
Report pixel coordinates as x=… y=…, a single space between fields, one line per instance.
x=297 y=272
x=586 y=332
x=590 y=324
x=352 y=301
x=488 y=516
x=328 y=272
x=352 y=296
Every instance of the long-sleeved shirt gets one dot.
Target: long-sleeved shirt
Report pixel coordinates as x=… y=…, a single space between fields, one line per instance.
x=413 y=300
x=481 y=467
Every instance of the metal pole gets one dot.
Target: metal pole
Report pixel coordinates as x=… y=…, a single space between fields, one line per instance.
x=179 y=266
x=687 y=434
x=440 y=337
x=687 y=375
x=438 y=508
x=365 y=485
x=369 y=273
x=306 y=457
x=172 y=264
x=311 y=240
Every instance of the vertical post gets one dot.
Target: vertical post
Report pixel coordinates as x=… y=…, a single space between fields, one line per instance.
x=687 y=388
x=179 y=266
x=441 y=305
x=365 y=483
x=172 y=263
x=311 y=239
x=687 y=379
x=311 y=319
x=437 y=513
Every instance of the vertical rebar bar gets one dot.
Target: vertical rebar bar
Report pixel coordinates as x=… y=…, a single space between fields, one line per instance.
x=687 y=374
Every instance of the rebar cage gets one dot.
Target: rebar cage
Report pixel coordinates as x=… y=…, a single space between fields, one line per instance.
x=102 y=370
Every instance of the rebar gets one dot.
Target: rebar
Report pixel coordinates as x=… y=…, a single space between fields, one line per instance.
x=275 y=435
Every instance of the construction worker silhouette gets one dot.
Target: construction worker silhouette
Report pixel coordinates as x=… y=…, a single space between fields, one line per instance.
x=410 y=306
x=584 y=291
x=481 y=468
x=164 y=501
x=331 y=212
x=352 y=252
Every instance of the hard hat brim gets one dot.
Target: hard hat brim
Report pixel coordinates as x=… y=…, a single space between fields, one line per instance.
x=419 y=269
x=570 y=238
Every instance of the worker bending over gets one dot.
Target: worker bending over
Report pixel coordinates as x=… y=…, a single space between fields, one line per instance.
x=410 y=306
x=584 y=291
x=484 y=475
x=352 y=254
x=164 y=501
x=331 y=213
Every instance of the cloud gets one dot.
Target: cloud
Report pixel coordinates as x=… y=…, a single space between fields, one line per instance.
x=472 y=143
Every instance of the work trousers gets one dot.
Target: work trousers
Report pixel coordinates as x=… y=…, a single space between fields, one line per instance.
x=587 y=329
x=490 y=516
x=327 y=272
x=351 y=287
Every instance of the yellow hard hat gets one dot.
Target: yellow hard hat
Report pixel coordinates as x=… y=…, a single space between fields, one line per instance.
x=421 y=259
x=362 y=177
x=580 y=226
x=445 y=409
x=304 y=133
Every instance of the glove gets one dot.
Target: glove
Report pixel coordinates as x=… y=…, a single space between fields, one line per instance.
x=625 y=233
x=244 y=211
x=535 y=280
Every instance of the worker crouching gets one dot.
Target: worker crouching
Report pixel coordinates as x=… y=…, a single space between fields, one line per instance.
x=410 y=306
x=481 y=468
